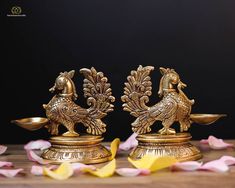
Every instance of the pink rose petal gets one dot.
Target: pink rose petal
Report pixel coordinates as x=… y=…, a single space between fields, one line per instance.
x=187 y=166
x=37 y=144
x=215 y=166
x=131 y=172
x=216 y=143
x=228 y=160
x=5 y=164
x=130 y=143
x=10 y=172
x=38 y=170
x=78 y=167
x=2 y=149
x=35 y=158
x=204 y=141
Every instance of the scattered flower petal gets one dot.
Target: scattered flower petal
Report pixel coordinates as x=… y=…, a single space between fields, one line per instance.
x=130 y=143
x=35 y=158
x=64 y=171
x=153 y=163
x=131 y=172
x=5 y=164
x=215 y=166
x=186 y=166
x=38 y=170
x=216 y=143
x=78 y=167
x=37 y=144
x=228 y=160
x=10 y=173
x=204 y=141
x=219 y=165
x=2 y=149
x=106 y=171
x=114 y=147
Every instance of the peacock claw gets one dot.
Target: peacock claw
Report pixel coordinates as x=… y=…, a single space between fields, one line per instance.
x=166 y=131
x=68 y=133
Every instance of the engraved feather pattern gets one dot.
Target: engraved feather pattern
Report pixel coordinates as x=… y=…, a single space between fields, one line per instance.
x=137 y=91
x=99 y=97
x=136 y=94
x=174 y=106
x=62 y=109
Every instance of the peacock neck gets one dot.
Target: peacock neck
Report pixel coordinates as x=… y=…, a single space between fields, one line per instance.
x=168 y=90
x=67 y=91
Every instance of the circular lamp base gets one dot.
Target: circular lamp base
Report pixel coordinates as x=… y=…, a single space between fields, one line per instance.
x=177 y=146
x=85 y=149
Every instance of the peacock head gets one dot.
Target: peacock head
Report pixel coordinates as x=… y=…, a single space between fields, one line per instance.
x=65 y=84
x=169 y=78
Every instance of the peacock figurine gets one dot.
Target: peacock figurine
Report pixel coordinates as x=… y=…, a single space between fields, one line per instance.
x=62 y=110
x=173 y=107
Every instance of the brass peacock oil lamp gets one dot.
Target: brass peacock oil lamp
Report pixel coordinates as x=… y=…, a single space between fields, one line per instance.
x=174 y=107
x=62 y=110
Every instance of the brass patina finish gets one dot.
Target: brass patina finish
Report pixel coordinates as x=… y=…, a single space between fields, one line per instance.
x=85 y=148
x=62 y=110
x=31 y=124
x=205 y=119
x=175 y=106
x=175 y=145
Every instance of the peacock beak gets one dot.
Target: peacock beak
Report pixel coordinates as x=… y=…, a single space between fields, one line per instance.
x=183 y=85
x=52 y=89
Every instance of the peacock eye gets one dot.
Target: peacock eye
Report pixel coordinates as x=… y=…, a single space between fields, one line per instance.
x=61 y=81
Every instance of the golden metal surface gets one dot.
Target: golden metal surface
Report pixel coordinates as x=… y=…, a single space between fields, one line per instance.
x=205 y=119
x=62 y=110
x=85 y=149
x=31 y=124
x=176 y=145
x=174 y=106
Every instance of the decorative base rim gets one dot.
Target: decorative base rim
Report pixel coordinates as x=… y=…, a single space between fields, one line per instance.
x=85 y=149
x=176 y=145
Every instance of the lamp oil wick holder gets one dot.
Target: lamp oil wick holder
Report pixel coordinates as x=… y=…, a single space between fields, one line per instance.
x=62 y=110
x=173 y=107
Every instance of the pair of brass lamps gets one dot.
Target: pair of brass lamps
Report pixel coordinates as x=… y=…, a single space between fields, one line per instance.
x=174 y=106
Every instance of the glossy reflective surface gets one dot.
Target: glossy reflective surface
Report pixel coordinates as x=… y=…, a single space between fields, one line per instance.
x=206 y=119
x=31 y=123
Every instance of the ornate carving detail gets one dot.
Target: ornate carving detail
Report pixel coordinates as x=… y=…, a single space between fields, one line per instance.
x=174 y=106
x=86 y=152
x=182 y=150
x=62 y=109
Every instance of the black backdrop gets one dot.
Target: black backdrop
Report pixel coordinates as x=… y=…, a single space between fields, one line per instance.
x=196 y=38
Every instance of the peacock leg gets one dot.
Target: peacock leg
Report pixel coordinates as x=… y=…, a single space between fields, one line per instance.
x=184 y=125
x=70 y=127
x=166 y=130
